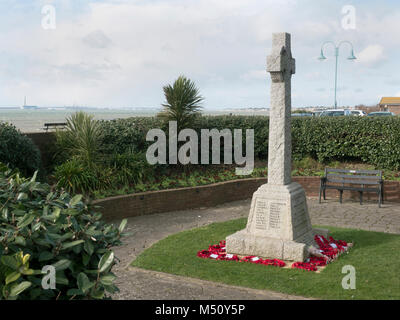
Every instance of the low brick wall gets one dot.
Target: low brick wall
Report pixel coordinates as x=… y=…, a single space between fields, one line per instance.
x=177 y=199
x=211 y=195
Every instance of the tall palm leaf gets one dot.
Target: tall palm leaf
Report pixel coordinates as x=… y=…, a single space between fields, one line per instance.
x=80 y=139
x=182 y=102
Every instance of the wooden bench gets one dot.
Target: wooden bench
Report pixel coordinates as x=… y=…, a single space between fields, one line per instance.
x=353 y=180
x=54 y=125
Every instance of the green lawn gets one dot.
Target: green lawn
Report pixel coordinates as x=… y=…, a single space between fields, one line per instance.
x=375 y=257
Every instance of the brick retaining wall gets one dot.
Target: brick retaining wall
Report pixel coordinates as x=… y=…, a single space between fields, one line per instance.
x=211 y=195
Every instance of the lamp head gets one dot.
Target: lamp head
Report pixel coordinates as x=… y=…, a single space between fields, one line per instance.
x=322 y=57
x=352 y=56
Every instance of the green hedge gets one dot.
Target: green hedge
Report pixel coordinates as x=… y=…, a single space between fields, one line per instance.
x=370 y=140
x=18 y=151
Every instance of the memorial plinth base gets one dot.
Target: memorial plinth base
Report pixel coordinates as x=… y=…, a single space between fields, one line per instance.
x=278 y=226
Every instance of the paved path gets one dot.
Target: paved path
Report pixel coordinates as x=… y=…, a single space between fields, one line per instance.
x=136 y=283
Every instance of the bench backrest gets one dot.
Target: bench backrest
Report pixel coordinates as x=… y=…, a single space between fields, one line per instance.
x=55 y=124
x=353 y=176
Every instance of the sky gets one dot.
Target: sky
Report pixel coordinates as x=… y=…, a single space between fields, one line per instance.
x=120 y=53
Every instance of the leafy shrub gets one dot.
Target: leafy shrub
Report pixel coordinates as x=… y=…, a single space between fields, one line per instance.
x=182 y=103
x=128 y=168
x=370 y=140
x=122 y=135
x=18 y=151
x=81 y=139
x=42 y=227
x=74 y=177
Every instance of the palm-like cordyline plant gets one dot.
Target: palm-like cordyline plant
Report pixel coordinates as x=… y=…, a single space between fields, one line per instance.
x=182 y=102
x=81 y=138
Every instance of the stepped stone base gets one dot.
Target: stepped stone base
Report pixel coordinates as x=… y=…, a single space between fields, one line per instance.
x=278 y=226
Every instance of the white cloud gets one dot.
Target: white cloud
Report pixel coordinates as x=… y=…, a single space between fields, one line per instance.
x=371 y=55
x=97 y=39
x=121 y=52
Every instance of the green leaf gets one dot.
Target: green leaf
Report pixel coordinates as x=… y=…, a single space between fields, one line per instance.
x=56 y=212
x=85 y=259
x=22 y=196
x=36 y=226
x=61 y=278
x=33 y=179
x=74 y=201
x=105 y=261
x=19 y=288
x=97 y=294
x=111 y=288
x=74 y=292
x=62 y=264
x=66 y=236
x=26 y=220
x=13 y=276
x=84 y=284
x=10 y=262
x=107 y=279
x=27 y=272
x=45 y=256
x=20 y=240
x=4 y=213
x=68 y=245
x=122 y=225
x=88 y=246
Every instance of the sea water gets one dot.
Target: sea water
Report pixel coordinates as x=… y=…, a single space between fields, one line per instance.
x=33 y=120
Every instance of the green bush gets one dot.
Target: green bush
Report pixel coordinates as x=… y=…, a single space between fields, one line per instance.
x=18 y=151
x=370 y=140
x=74 y=176
x=40 y=227
x=182 y=104
x=128 y=168
x=80 y=139
x=122 y=135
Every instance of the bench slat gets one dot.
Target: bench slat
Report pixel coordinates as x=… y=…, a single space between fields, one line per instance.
x=375 y=172
x=351 y=176
x=353 y=181
x=353 y=171
x=370 y=189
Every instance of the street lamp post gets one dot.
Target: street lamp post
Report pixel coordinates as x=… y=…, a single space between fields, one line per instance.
x=336 y=47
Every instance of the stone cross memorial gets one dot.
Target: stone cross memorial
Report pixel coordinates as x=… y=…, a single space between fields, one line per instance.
x=279 y=225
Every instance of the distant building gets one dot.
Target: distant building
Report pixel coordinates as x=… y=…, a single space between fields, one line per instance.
x=391 y=104
x=30 y=107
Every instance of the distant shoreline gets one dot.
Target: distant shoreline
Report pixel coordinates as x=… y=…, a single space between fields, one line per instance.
x=33 y=120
